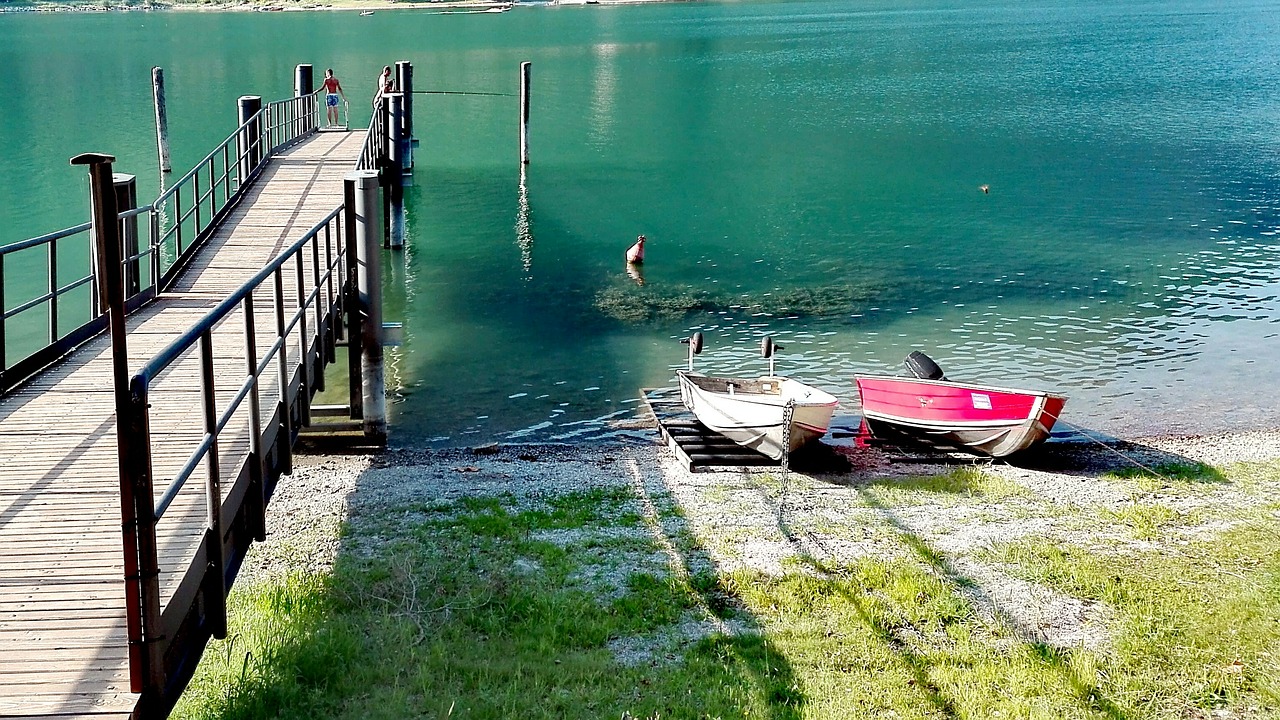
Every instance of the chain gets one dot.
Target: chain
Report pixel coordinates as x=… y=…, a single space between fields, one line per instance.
x=787 y=414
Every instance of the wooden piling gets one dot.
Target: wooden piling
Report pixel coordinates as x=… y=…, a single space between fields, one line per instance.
x=395 y=168
x=126 y=192
x=369 y=275
x=162 y=119
x=303 y=87
x=249 y=150
x=524 y=111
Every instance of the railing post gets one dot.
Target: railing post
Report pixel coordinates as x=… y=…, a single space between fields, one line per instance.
x=215 y=582
x=257 y=488
x=404 y=81
x=285 y=441
x=395 y=168
x=126 y=190
x=249 y=140
x=132 y=442
x=369 y=276
x=303 y=87
x=53 y=300
x=351 y=298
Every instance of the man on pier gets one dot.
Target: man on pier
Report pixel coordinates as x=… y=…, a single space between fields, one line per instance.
x=332 y=88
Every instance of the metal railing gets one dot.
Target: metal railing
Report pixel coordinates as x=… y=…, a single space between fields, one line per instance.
x=376 y=140
x=180 y=219
x=300 y=334
x=300 y=337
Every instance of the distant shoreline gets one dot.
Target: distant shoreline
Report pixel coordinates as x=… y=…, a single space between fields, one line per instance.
x=90 y=6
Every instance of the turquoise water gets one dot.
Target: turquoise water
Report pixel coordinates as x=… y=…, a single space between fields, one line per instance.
x=809 y=170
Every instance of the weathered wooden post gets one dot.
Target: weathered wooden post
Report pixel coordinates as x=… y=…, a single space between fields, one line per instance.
x=126 y=192
x=369 y=279
x=303 y=87
x=249 y=140
x=525 y=68
x=404 y=82
x=351 y=298
x=162 y=119
x=137 y=509
x=395 y=169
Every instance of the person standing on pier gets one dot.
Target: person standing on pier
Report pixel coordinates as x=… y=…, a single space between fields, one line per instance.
x=332 y=88
x=386 y=84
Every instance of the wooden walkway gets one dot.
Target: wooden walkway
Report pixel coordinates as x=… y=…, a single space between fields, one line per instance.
x=63 y=643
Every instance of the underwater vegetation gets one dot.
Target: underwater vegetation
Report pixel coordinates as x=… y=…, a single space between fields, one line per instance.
x=661 y=303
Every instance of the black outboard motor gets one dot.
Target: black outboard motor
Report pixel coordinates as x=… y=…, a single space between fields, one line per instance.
x=923 y=366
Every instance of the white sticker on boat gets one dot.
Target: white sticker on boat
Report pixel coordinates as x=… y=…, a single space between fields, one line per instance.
x=980 y=401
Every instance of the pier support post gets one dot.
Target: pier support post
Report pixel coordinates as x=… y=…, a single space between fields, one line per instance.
x=249 y=140
x=137 y=508
x=395 y=169
x=162 y=119
x=303 y=87
x=369 y=291
x=525 y=68
x=126 y=192
x=404 y=82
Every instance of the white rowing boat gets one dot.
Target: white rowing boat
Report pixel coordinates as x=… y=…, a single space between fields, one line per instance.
x=771 y=415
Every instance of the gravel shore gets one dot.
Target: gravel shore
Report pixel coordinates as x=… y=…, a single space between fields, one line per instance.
x=768 y=522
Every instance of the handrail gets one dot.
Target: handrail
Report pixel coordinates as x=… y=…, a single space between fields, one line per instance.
x=167 y=230
x=320 y=259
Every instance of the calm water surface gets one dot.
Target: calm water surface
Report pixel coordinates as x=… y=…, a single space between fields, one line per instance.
x=809 y=170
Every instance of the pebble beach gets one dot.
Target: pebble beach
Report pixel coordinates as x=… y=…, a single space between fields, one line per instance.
x=765 y=521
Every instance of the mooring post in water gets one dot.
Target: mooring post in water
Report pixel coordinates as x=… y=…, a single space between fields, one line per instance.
x=404 y=82
x=249 y=140
x=395 y=169
x=126 y=192
x=524 y=112
x=369 y=291
x=303 y=87
x=162 y=119
x=137 y=510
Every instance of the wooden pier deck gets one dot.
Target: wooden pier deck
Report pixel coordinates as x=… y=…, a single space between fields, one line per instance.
x=64 y=648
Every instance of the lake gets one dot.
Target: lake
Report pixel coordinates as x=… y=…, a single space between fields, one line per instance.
x=809 y=170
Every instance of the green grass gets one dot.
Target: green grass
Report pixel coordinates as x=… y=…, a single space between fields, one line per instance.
x=467 y=611
x=959 y=485
x=1195 y=630
x=1169 y=476
x=1149 y=521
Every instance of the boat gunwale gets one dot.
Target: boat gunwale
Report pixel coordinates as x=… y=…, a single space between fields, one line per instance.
x=955 y=384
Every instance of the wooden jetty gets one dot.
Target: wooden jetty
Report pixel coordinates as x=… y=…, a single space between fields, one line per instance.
x=695 y=445
x=125 y=511
x=700 y=449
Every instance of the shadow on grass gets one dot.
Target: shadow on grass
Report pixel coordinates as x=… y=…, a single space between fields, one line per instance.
x=919 y=664
x=476 y=606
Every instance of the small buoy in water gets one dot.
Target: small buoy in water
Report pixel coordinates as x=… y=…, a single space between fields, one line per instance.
x=635 y=254
x=986 y=189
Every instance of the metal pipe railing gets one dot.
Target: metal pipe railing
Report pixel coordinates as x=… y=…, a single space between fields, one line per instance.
x=179 y=219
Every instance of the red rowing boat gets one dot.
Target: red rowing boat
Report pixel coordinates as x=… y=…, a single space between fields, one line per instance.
x=988 y=420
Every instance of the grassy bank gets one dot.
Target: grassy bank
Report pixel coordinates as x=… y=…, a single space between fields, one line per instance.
x=609 y=603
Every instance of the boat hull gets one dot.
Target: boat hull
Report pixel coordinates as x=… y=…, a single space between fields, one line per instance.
x=751 y=412
x=986 y=420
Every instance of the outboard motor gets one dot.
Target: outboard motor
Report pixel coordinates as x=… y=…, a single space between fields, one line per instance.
x=695 y=347
x=923 y=366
